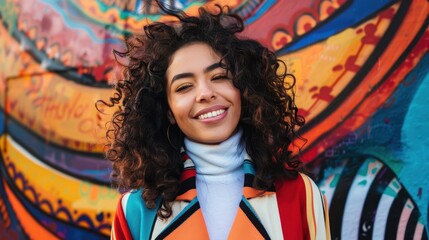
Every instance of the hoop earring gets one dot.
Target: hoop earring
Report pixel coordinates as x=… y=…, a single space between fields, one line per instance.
x=168 y=138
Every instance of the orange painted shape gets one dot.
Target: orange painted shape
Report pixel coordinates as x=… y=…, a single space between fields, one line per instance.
x=30 y=226
x=304 y=24
x=193 y=228
x=371 y=104
x=396 y=47
x=280 y=39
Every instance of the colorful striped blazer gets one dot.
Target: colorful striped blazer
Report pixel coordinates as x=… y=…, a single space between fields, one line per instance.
x=292 y=209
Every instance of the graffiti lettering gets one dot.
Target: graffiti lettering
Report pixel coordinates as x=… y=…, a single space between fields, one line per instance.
x=35 y=86
x=52 y=107
x=56 y=106
x=87 y=125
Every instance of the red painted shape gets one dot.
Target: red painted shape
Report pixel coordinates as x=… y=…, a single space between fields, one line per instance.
x=370 y=37
x=350 y=64
x=338 y=67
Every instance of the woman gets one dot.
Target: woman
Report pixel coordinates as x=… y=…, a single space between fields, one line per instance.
x=201 y=140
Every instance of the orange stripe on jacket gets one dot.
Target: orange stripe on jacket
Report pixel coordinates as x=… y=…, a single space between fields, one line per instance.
x=310 y=207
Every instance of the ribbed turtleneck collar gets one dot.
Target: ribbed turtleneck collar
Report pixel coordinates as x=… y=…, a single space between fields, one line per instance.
x=217 y=159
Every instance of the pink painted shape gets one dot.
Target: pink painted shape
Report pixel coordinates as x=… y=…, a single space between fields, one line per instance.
x=418 y=233
x=405 y=216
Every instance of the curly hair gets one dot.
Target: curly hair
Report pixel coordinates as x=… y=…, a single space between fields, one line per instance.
x=138 y=147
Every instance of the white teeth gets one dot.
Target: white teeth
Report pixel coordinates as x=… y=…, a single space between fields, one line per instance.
x=211 y=114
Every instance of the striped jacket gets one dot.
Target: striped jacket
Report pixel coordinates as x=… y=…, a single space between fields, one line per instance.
x=293 y=209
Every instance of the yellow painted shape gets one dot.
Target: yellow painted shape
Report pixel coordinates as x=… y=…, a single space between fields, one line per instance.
x=29 y=225
x=52 y=185
x=56 y=109
x=313 y=65
x=60 y=111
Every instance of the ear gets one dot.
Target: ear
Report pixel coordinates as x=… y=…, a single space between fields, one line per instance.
x=171 y=117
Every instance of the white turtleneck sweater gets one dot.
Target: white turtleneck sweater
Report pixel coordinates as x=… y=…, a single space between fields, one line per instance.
x=219 y=181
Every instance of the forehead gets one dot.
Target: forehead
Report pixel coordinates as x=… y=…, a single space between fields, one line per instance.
x=192 y=58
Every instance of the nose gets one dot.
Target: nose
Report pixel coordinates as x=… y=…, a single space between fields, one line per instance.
x=205 y=92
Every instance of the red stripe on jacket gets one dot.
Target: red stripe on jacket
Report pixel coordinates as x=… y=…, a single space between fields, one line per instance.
x=291 y=200
x=120 y=230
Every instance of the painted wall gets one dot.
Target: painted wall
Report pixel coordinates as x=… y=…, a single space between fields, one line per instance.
x=362 y=85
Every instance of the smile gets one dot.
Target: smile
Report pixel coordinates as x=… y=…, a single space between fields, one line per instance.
x=211 y=114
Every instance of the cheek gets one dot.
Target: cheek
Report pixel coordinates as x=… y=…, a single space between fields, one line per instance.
x=179 y=106
x=239 y=103
x=237 y=97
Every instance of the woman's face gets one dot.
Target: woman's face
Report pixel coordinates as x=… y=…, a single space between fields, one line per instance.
x=202 y=98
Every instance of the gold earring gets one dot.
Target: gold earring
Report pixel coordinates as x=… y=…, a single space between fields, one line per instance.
x=168 y=137
x=171 y=118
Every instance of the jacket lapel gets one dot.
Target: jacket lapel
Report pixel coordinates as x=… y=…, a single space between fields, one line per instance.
x=188 y=219
x=187 y=216
x=258 y=212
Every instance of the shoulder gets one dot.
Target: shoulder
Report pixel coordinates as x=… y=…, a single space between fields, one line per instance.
x=301 y=191
x=133 y=204
x=136 y=214
x=301 y=206
x=122 y=227
x=301 y=181
x=300 y=184
x=131 y=201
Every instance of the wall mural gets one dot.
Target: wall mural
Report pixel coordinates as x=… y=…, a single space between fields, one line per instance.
x=362 y=85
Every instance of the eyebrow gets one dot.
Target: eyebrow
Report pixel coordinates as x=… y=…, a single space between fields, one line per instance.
x=206 y=70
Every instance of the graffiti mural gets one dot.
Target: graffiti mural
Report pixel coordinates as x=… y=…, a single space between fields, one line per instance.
x=362 y=84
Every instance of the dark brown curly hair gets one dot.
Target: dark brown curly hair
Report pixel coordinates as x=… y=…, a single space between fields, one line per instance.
x=138 y=147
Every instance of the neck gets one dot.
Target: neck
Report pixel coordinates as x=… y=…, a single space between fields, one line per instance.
x=219 y=181
x=217 y=159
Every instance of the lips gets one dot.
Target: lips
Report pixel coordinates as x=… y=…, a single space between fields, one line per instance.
x=210 y=112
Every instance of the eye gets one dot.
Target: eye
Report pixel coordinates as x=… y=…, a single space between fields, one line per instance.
x=220 y=77
x=183 y=87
